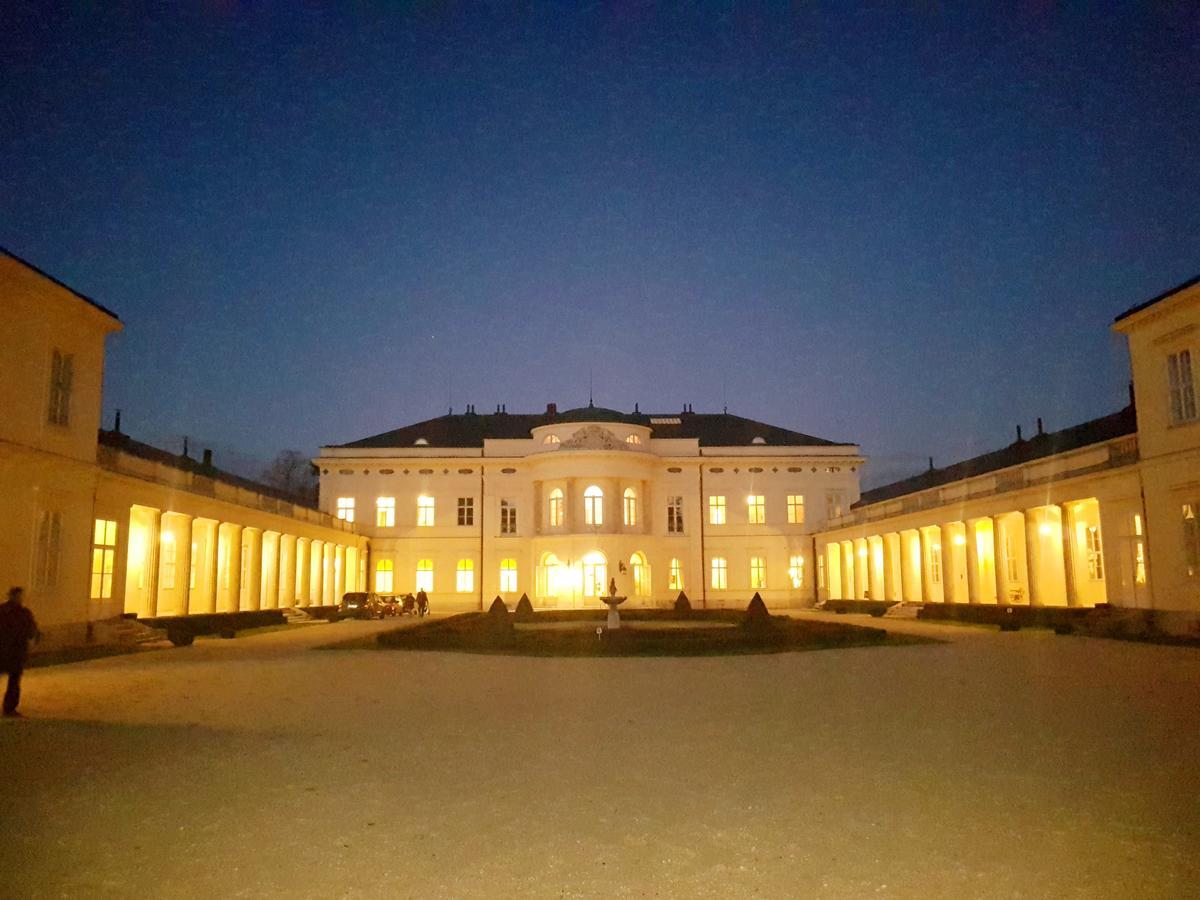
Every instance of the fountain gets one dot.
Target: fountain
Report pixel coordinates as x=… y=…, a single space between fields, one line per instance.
x=612 y=601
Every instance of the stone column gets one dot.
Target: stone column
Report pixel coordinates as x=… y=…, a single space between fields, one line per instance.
x=950 y=573
x=999 y=562
x=1068 y=552
x=1033 y=556
x=972 y=554
x=889 y=571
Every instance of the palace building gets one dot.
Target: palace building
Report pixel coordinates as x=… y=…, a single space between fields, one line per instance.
x=471 y=506
x=552 y=504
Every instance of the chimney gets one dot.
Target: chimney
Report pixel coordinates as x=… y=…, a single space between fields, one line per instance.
x=207 y=458
x=636 y=411
x=185 y=449
x=552 y=409
x=931 y=464
x=1040 y=429
x=1019 y=438
x=117 y=423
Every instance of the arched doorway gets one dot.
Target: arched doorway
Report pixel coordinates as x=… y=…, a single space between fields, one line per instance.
x=550 y=585
x=595 y=576
x=640 y=569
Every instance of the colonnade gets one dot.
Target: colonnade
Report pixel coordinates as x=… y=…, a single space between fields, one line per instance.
x=177 y=564
x=1050 y=555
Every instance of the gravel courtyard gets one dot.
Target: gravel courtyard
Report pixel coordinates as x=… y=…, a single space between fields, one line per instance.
x=990 y=765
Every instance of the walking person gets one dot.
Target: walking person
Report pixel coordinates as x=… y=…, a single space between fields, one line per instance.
x=17 y=629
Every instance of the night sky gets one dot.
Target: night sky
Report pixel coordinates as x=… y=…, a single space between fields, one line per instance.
x=909 y=229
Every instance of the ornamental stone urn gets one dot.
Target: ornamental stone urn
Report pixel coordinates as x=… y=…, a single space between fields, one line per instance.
x=612 y=601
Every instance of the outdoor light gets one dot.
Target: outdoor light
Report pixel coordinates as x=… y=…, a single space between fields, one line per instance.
x=959 y=540
x=1045 y=529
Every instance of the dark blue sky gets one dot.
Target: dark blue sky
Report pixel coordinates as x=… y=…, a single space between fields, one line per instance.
x=910 y=229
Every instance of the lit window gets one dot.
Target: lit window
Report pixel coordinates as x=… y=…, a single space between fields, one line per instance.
x=758 y=439
x=935 y=563
x=552 y=439
x=675 y=515
x=345 y=508
x=595 y=574
x=464 y=581
x=425 y=575
x=675 y=582
x=593 y=506
x=508 y=575
x=466 y=510
x=508 y=518
x=384 y=572
x=556 y=508
x=61 y=373
x=104 y=549
x=716 y=510
x=385 y=512
x=630 y=505
x=1010 y=558
x=756 y=509
x=1139 y=551
x=834 y=503
x=632 y=439
x=796 y=571
x=1191 y=538
x=758 y=573
x=192 y=568
x=425 y=512
x=1182 y=387
x=1095 y=554
x=720 y=573
x=795 y=509
x=167 y=559
x=820 y=572
x=49 y=542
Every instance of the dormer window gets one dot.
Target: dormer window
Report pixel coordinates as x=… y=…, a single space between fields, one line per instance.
x=552 y=439
x=633 y=439
x=421 y=442
x=759 y=440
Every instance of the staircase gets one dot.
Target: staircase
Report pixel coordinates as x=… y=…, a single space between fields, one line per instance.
x=295 y=616
x=125 y=632
x=903 y=610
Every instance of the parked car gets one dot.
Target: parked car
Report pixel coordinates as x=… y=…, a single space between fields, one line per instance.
x=362 y=605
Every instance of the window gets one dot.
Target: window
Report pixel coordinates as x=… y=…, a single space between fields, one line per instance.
x=716 y=510
x=632 y=439
x=508 y=576
x=720 y=574
x=425 y=575
x=1095 y=554
x=61 y=372
x=49 y=540
x=556 y=508
x=104 y=550
x=630 y=505
x=756 y=509
x=508 y=518
x=345 y=508
x=796 y=572
x=384 y=572
x=675 y=581
x=385 y=512
x=593 y=506
x=192 y=568
x=168 y=558
x=464 y=580
x=795 y=509
x=758 y=573
x=552 y=439
x=935 y=563
x=820 y=572
x=834 y=504
x=1182 y=388
x=425 y=511
x=1139 y=551
x=1191 y=538
x=675 y=515
x=595 y=574
x=1010 y=559
x=466 y=510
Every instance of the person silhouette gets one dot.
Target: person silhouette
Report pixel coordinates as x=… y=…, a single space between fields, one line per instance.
x=17 y=629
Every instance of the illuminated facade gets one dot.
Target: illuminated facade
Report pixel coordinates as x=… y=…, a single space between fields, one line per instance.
x=1105 y=512
x=554 y=505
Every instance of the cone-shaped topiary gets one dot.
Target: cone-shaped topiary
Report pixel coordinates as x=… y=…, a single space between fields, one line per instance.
x=497 y=621
x=524 y=611
x=682 y=603
x=756 y=612
x=498 y=609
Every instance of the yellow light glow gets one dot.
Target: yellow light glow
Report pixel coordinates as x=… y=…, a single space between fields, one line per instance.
x=168 y=537
x=1045 y=530
x=959 y=540
x=862 y=551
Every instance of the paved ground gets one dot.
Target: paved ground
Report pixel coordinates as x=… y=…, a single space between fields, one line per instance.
x=992 y=765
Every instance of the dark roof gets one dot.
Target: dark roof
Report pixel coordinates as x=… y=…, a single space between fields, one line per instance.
x=471 y=429
x=1105 y=428
x=1163 y=296
x=119 y=441
x=65 y=287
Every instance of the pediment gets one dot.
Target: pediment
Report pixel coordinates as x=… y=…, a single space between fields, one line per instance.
x=593 y=437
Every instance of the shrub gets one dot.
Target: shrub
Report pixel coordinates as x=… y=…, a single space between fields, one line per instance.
x=524 y=611
x=756 y=612
x=682 y=603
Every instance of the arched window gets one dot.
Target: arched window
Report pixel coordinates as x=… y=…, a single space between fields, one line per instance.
x=593 y=506
x=633 y=439
x=552 y=439
x=641 y=575
x=720 y=574
x=675 y=582
x=384 y=571
x=796 y=571
x=549 y=576
x=464 y=581
x=425 y=575
x=556 y=508
x=508 y=575
x=630 y=506
x=595 y=574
